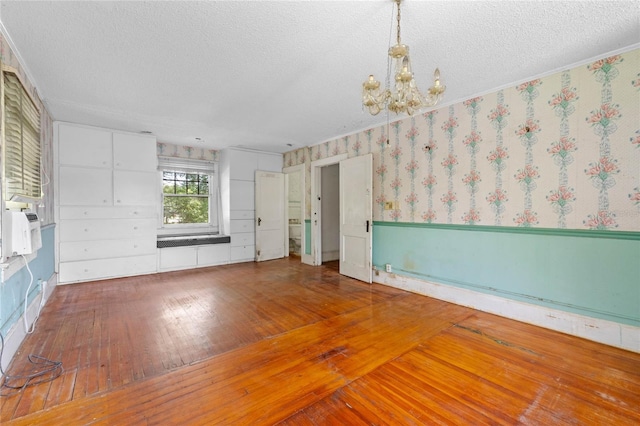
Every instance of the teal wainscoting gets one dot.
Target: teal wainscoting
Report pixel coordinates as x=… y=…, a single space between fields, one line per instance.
x=593 y=273
x=13 y=290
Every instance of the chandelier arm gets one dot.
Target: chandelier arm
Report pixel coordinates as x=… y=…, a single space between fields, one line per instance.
x=403 y=95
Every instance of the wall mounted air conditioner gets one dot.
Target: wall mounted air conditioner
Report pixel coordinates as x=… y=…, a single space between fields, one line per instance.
x=21 y=233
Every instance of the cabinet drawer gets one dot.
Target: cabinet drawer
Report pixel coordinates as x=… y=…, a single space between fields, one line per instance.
x=106 y=268
x=243 y=239
x=110 y=229
x=241 y=226
x=86 y=250
x=243 y=253
x=242 y=214
x=108 y=212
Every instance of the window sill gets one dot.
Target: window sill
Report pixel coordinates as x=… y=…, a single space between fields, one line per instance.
x=181 y=240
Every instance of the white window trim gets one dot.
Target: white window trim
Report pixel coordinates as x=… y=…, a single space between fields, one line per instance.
x=196 y=166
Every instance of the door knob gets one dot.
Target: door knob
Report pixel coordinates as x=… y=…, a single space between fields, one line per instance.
x=259 y=220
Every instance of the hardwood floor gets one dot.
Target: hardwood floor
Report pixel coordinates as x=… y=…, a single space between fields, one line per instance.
x=284 y=343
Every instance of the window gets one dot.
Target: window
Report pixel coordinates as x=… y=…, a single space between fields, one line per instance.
x=189 y=194
x=21 y=141
x=185 y=198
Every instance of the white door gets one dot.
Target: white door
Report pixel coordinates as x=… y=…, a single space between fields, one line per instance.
x=270 y=215
x=356 y=188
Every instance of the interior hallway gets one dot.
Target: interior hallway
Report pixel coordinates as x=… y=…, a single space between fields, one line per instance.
x=282 y=342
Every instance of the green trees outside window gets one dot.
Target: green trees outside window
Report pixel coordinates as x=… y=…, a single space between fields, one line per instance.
x=185 y=198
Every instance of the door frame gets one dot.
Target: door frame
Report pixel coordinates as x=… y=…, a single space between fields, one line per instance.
x=316 y=216
x=303 y=194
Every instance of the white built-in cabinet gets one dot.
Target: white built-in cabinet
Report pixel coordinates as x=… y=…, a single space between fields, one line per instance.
x=175 y=258
x=240 y=168
x=106 y=203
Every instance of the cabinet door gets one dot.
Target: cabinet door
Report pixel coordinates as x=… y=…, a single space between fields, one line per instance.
x=243 y=164
x=178 y=257
x=80 y=186
x=83 y=146
x=213 y=254
x=134 y=152
x=242 y=195
x=135 y=188
x=270 y=162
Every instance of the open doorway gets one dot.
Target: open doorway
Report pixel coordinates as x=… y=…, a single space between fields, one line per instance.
x=354 y=192
x=318 y=193
x=294 y=232
x=330 y=216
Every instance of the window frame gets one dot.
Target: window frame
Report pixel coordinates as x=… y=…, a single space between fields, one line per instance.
x=188 y=166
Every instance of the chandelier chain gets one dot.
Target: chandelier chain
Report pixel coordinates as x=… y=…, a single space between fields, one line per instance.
x=398 y=19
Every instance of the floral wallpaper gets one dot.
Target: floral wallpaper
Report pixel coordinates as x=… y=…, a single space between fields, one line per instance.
x=180 y=151
x=562 y=151
x=45 y=208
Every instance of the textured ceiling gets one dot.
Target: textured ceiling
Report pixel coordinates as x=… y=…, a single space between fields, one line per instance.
x=265 y=74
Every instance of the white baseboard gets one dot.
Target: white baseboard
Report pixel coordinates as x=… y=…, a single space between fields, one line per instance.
x=16 y=334
x=598 y=330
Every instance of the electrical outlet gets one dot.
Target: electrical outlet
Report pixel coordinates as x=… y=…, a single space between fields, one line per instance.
x=387 y=267
x=389 y=205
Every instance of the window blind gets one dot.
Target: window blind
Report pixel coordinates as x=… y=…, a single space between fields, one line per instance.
x=186 y=165
x=21 y=141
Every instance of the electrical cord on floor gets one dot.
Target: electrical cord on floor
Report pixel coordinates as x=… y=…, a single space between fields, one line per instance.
x=50 y=370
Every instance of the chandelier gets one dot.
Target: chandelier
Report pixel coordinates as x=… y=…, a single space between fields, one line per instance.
x=404 y=96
